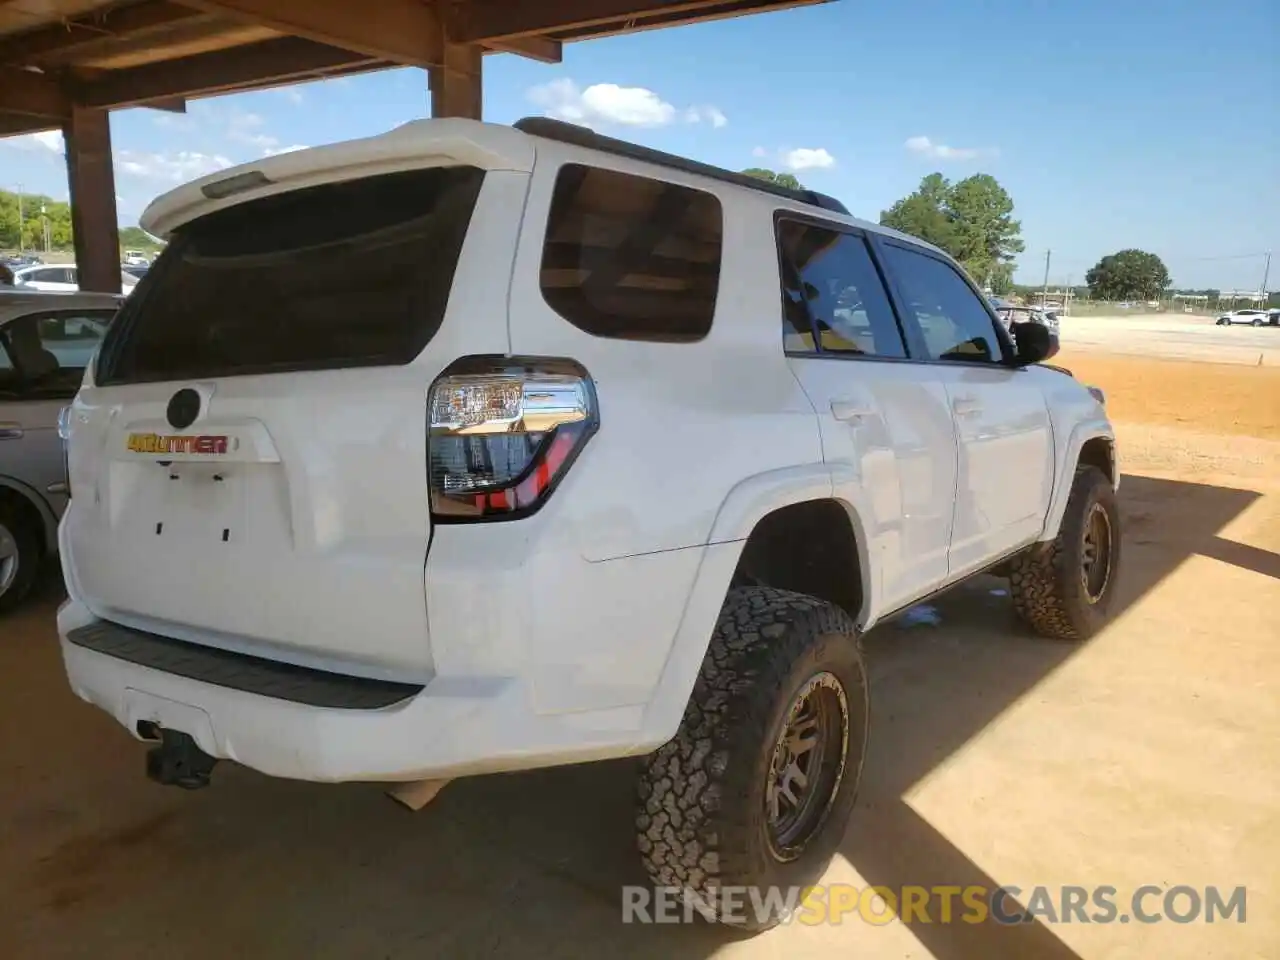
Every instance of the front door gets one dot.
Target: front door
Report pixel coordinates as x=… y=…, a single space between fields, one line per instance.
x=886 y=429
x=1002 y=420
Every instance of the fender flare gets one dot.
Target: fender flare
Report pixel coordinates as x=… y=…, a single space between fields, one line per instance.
x=1081 y=434
x=746 y=505
x=48 y=520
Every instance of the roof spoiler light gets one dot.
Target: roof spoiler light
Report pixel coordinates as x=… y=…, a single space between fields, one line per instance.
x=240 y=183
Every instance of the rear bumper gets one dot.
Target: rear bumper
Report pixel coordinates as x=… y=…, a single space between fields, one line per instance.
x=451 y=728
x=538 y=663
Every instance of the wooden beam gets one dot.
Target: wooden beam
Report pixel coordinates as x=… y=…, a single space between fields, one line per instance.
x=17 y=124
x=32 y=94
x=666 y=18
x=457 y=84
x=92 y=30
x=498 y=19
x=535 y=48
x=268 y=63
x=168 y=104
x=91 y=182
x=407 y=32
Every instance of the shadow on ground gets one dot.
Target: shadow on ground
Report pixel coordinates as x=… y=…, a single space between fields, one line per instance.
x=99 y=861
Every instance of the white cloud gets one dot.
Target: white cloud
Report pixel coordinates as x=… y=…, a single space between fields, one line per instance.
x=276 y=151
x=711 y=115
x=293 y=96
x=940 y=151
x=606 y=104
x=177 y=167
x=46 y=140
x=759 y=153
x=808 y=158
x=173 y=121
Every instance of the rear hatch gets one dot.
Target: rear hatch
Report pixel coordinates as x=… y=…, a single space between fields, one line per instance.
x=247 y=459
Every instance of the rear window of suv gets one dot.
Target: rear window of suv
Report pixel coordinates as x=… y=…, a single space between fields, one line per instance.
x=348 y=274
x=630 y=257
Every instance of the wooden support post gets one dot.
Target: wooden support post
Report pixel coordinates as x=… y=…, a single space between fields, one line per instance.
x=92 y=184
x=457 y=83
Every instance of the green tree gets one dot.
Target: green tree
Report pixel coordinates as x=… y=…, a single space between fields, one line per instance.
x=924 y=214
x=787 y=180
x=135 y=238
x=55 y=212
x=972 y=220
x=1128 y=275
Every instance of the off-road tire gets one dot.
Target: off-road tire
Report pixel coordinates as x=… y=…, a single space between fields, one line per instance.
x=27 y=536
x=702 y=824
x=1045 y=582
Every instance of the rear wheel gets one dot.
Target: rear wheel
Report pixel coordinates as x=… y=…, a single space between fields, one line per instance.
x=1065 y=589
x=19 y=556
x=748 y=803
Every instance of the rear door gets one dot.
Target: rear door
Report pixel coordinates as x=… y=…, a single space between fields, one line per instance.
x=1002 y=419
x=884 y=420
x=248 y=462
x=42 y=361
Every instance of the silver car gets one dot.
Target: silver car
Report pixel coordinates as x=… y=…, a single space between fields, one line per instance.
x=46 y=341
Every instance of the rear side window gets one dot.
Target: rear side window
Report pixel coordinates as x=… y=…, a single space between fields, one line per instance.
x=340 y=275
x=631 y=257
x=833 y=300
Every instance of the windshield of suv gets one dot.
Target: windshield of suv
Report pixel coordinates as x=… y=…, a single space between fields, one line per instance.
x=348 y=274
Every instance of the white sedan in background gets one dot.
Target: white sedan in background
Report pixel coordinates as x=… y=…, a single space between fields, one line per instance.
x=59 y=278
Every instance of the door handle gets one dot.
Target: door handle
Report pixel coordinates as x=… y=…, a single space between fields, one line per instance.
x=849 y=410
x=10 y=431
x=966 y=406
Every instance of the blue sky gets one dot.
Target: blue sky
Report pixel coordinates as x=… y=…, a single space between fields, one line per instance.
x=1139 y=123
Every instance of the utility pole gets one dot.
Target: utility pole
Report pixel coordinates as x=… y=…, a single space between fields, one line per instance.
x=1044 y=297
x=20 y=246
x=1266 y=272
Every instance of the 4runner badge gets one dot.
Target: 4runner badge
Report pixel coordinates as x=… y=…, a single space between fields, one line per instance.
x=158 y=443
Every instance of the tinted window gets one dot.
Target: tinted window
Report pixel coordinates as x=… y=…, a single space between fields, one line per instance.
x=631 y=257
x=51 y=350
x=341 y=275
x=8 y=376
x=955 y=324
x=832 y=290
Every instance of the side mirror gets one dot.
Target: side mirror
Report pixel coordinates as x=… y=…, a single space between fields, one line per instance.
x=1035 y=341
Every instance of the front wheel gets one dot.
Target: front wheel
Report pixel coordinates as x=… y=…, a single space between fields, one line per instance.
x=1256 y=322
x=745 y=807
x=1065 y=589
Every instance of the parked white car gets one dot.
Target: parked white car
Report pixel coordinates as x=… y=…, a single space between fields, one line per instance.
x=60 y=278
x=46 y=340
x=1250 y=317
x=470 y=448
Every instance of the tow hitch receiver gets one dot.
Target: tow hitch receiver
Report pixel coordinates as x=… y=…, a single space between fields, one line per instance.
x=179 y=762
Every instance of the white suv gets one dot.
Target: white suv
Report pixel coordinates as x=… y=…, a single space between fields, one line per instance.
x=471 y=448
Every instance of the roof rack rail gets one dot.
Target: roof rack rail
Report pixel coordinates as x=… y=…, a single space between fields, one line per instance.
x=571 y=133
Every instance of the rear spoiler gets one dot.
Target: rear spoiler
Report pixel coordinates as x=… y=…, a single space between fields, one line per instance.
x=414 y=145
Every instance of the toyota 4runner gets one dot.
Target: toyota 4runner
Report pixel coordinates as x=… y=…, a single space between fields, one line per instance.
x=471 y=448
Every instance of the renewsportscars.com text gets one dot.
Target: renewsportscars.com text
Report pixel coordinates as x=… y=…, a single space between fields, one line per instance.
x=843 y=903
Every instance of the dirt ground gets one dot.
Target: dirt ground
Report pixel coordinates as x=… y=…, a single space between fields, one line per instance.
x=1204 y=397
x=1149 y=756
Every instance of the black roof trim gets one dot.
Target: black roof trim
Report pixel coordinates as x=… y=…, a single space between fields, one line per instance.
x=578 y=136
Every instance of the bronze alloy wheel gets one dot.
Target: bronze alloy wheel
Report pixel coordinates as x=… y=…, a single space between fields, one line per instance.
x=808 y=765
x=1095 y=554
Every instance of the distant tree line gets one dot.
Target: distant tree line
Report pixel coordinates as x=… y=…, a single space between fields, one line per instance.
x=58 y=215
x=57 y=212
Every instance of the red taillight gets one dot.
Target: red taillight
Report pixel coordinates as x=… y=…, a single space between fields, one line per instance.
x=502 y=432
